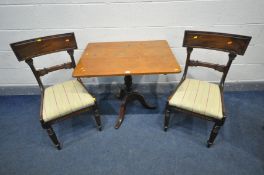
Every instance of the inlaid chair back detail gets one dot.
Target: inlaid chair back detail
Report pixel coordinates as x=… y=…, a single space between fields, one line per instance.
x=62 y=100
x=233 y=44
x=29 y=49
x=201 y=98
x=236 y=44
x=44 y=45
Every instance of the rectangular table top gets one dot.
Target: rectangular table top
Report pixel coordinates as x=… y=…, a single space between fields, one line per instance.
x=126 y=58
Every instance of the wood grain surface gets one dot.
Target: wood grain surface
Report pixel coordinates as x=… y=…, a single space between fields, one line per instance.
x=126 y=58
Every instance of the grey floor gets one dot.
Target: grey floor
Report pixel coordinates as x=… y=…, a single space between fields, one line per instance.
x=140 y=146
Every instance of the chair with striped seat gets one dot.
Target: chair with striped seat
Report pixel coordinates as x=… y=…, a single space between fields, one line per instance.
x=62 y=100
x=202 y=98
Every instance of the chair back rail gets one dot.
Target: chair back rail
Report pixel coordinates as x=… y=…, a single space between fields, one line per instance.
x=220 y=68
x=44 y=71
x=233 y=44
x=29 y=49
x=236 y=44
x=44 y=45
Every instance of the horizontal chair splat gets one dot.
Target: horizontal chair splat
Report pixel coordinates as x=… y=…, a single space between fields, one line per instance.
x=45 y=71
x=218 y=67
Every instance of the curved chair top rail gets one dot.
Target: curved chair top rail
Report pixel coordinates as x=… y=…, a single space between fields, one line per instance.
x=28 y=49
x=231 y=43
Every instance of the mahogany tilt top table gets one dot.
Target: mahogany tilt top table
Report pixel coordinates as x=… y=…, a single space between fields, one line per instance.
x=127 y=59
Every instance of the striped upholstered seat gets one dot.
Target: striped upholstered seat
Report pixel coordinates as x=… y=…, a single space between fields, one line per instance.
x=65 y=98
x=200 y=97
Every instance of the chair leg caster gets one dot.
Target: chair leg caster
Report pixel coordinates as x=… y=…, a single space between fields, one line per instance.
x=165 y=129
x=58 y=146
x=209 y=144
x=99 y=128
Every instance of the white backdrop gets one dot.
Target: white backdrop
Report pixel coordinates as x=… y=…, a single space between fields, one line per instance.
x=128 y=20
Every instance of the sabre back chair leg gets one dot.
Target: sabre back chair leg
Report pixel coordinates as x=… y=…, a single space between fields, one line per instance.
x=53 y=137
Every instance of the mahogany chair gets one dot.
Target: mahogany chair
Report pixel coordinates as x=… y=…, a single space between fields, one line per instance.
x=62 y=100
x=201 y=98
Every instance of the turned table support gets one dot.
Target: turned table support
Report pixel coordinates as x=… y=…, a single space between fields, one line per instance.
x=129 y=95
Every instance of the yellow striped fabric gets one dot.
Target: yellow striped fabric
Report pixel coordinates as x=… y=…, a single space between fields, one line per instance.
x=200 y=97
x=65 y=98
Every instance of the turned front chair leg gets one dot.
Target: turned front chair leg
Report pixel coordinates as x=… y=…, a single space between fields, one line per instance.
x=166 y=118
x=53 y=137
x=97 y=118
x=213 y=134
